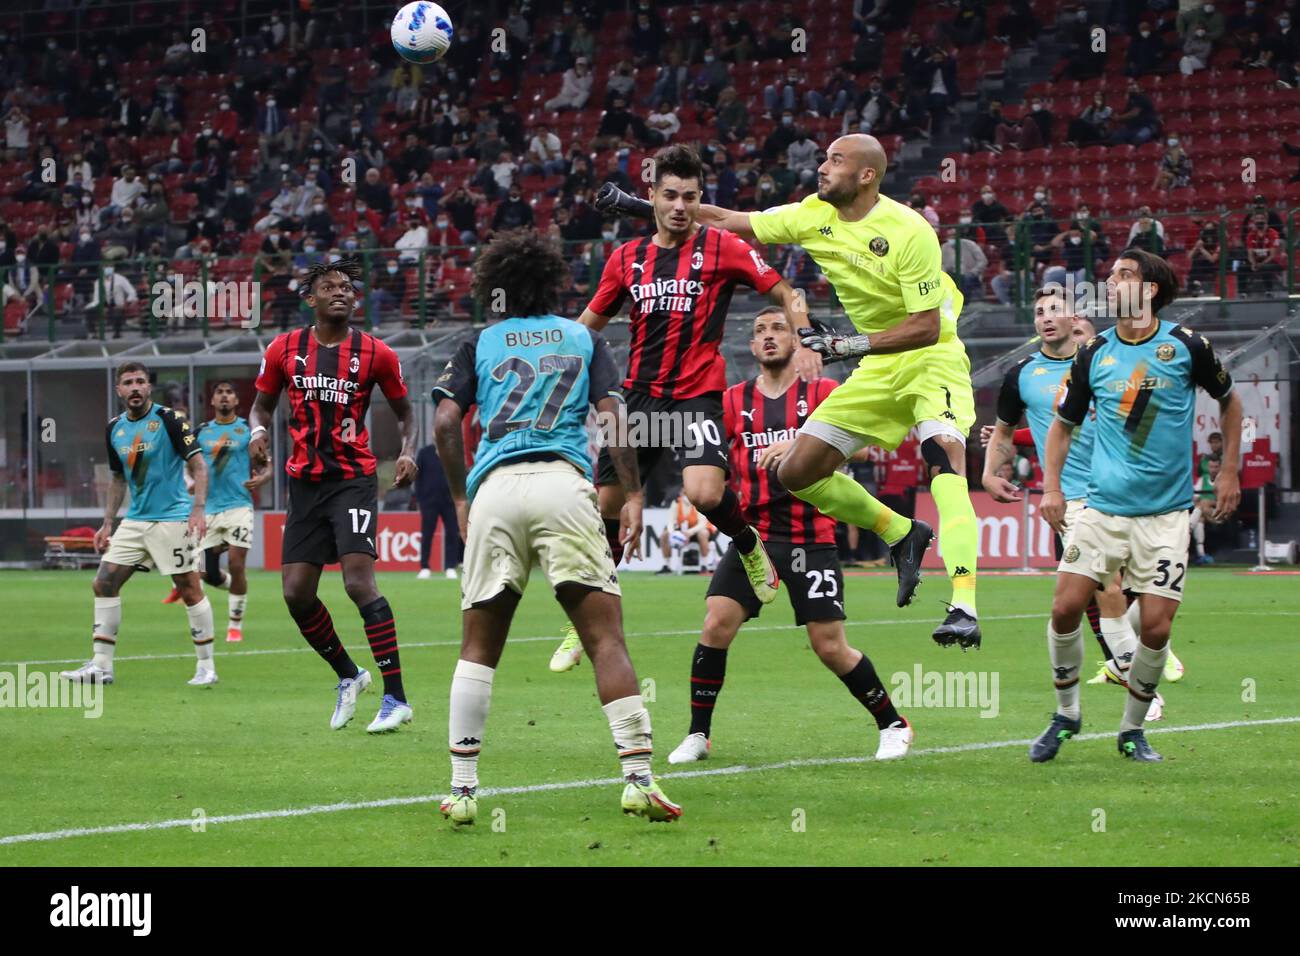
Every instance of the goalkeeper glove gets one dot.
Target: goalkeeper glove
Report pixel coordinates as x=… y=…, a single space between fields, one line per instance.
x=610 y=198
x=831 y=345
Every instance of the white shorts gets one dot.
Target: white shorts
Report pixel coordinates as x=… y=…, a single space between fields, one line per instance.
x=163 y=545
x=1073 y=508
x=1151 y=550
x=534 y=513
x=234 y=527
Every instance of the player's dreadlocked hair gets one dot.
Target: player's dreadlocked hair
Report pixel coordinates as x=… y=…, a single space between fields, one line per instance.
x=348 y=265
x=519 y=273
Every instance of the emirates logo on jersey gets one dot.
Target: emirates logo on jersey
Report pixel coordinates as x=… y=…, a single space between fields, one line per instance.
x=326 y=388
x=757 y=441
x=666 y=295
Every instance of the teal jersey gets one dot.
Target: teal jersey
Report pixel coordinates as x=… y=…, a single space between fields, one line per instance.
x=226 y=449
x=532 y=380
x=150 y=453
x=1034 y=387
x=1145 y=397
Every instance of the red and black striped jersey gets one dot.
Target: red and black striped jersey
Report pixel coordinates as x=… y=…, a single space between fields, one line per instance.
x=753 y=422
x=329 y=390
x=679 y=303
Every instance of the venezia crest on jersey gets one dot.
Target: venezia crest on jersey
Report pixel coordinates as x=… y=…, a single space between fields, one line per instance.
x=879 y=246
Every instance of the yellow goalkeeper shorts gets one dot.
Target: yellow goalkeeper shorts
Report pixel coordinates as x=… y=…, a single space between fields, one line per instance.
x=888 y=395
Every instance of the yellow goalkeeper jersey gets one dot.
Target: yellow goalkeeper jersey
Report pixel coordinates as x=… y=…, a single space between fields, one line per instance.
x=884 y=266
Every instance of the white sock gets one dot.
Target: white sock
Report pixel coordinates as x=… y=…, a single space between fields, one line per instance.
x=629 y=722
x=471 y=695
x=1120 y=639
x=108 y=618
x=1066 y=654
x=1198 y=532
x=225 y=581
x=200 y=616
x=1143 y=678
x=237 y=604
x=1134 y=615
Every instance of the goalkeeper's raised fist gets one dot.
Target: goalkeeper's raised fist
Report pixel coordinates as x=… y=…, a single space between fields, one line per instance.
x=609 y=198
x=831 y=345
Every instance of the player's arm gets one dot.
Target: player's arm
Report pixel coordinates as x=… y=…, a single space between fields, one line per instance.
x=270 y=382
x=1001 y=449
x=610 y=294
x=407 y=469
x=594 y=320
x=1070 y=414
x=116 y=494
x=450 y=441
x=1208 y=372
x=186 y=444
x=603 y=393
x=455 y=391
x=729 y=219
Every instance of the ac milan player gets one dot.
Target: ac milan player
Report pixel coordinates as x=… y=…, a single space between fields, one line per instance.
x=329 y=370
x=762 y=417
x=680 y=282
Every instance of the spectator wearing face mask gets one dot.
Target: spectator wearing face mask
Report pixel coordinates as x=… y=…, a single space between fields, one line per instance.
x=276 y=242
x=1204 y=16
x=874 y=111
x=970 y=279
x=1264 y=257
x=513 y=212
x=737 y=38
x=783 y=95
x=575 y=88
x=22 y=281
x=84 y=262
x=585 y=223
x=1093 y=124
x=127 y=189
x=319 y=222
x=1282 y=47
x=1204 y=257
x=990 y=213
x=1175 y=169
x=731 y=119
x=460 y=208
x=387 y=288
x=1197 y=48
x=1146 y=51
x=1070 y=245
x=239 y=204
x=921 y=204
x=412 y=243
x=778 y=141
x=1147 y=233
x=274 y=134
x=121 y=237
x=868 y=49
x=1033 y=130
x=153 y=215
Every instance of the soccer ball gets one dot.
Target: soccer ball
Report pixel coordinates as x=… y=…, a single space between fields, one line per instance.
x=421 y=32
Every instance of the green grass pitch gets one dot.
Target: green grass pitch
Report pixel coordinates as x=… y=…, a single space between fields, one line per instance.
x=778 y=789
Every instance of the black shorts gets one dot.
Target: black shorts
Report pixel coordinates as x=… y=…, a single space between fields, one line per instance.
x=656 y=424
x=811 y=574
x=330 y=518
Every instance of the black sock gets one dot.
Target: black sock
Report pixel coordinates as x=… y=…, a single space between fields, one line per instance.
x=611 y=535
x=381 y=632
x=1094 y=620
x=318 y=629
x=863 y=684
x=708 y=668
x=730 y=520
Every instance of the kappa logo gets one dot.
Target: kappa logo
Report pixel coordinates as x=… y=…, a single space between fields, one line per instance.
x=960 y=571
x=1107 y=361
x=826 y=231
x=1040 y=371
x=468 y=742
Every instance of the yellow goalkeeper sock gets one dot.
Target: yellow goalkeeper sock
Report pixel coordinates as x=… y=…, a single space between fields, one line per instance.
x=842 y=498
x=958 y=537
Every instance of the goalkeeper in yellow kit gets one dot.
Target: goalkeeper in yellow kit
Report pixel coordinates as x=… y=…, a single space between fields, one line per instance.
x=883 y=259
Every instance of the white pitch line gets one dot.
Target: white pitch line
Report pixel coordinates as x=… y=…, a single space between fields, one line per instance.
x=582 y=784
x=229 y=654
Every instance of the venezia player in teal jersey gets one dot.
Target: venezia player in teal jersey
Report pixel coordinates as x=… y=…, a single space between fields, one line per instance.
x=1142 y=377
x=224 y=440
x=150 y=449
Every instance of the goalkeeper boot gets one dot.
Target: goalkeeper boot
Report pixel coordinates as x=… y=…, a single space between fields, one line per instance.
x=643 y=797
x=460 y=806
x=906 y=556
x=761 y=572
x=1133 y=745
x=569 y=654
x=1049 y=742
x=958 y=628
